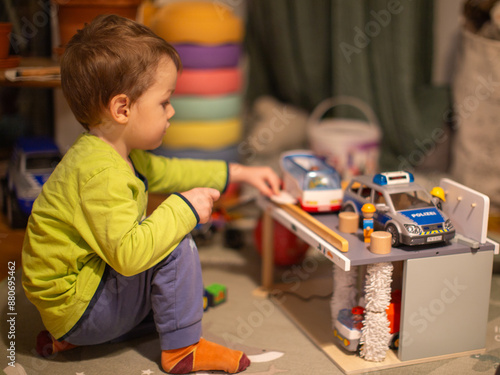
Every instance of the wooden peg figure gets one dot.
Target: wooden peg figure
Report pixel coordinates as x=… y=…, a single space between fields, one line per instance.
x=368 y=210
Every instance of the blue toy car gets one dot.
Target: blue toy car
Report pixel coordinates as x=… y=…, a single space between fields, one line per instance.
x=403 y=208
x=31 y=163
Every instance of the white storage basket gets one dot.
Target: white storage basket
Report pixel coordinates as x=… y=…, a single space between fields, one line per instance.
x=349 y=145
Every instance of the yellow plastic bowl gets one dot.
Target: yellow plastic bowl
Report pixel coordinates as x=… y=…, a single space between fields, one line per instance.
x=197 y=22
x=205 y=135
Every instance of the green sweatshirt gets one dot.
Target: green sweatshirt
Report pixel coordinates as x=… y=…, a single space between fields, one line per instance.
x=91 y=212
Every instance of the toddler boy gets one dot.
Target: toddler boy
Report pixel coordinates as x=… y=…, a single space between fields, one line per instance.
x=93 y=264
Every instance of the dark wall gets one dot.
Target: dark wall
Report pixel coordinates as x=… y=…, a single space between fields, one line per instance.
x=26 y=111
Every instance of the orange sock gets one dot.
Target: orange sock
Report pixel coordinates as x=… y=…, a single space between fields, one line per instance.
x=204 y=355
x=46 y=344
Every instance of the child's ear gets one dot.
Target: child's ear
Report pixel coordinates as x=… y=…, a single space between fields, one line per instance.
x=119 y=108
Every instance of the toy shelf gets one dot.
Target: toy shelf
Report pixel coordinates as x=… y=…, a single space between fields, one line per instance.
x=32 y=62
x=358 y=253
x=450 y=281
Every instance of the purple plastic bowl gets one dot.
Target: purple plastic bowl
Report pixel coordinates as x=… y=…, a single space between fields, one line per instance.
x=197 y=56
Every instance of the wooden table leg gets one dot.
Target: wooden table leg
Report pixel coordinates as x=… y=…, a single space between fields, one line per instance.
x=267 y=251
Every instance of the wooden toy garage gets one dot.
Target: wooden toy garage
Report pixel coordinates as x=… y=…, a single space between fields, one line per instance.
x=445 y=287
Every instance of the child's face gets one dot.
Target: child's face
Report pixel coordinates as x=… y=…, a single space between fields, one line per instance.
x=151 y=112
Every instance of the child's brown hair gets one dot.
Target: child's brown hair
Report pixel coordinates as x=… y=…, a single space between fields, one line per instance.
x=111 y=55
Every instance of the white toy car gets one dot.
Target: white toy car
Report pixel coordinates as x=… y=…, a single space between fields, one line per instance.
x=311 y=181
x=347 y=328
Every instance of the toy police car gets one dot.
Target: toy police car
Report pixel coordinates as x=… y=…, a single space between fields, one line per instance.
x=403 y=208
x=31 y=164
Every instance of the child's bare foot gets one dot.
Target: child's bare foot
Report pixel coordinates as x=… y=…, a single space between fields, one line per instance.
x=204 y=355
x=46 y=344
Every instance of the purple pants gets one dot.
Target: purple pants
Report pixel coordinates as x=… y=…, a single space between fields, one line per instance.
x=172 y=290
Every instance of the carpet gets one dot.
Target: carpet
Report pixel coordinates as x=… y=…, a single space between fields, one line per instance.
x=258 y=326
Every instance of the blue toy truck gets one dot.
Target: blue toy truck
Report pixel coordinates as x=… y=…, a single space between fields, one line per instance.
x=32 y=161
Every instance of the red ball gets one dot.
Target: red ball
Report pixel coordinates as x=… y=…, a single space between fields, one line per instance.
x=288 y=248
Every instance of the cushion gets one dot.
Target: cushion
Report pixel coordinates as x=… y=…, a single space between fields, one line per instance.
x=197 y=22
x=229 y=154
x=193 y=108
x=205 y=135
x=198 y=56
x=209 y=81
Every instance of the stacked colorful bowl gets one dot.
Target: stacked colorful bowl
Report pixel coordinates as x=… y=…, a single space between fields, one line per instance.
x=207 y=101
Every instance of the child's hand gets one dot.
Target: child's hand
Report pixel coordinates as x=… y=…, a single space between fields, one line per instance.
x=202 y=199
x=263 y=178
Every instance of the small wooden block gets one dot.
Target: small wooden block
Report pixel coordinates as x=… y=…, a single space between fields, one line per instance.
x=348 y=222
x=380 y=242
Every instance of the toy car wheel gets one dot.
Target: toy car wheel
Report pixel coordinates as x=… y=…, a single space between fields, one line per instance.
x=394 y=342
x=15 y=217
x=394 y=234
x=348 y=208
x=358 y=348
